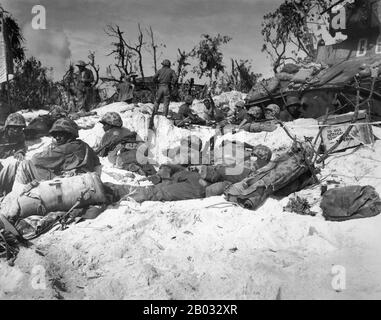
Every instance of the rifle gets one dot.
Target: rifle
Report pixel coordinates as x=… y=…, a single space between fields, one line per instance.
x=183 y=121
x=8 y=144
x=112 y=145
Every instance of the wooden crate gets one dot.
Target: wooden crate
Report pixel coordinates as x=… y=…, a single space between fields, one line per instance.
x=360 y=134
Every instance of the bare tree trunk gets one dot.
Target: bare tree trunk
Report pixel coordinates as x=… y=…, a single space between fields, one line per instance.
x=154 y=46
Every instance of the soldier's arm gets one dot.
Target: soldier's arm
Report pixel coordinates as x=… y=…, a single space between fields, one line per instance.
x=174 y=78
x=156 y=77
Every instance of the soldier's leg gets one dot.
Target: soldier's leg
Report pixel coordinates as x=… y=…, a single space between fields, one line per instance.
x=28 y=172
x=159 y=98
x=167 y=100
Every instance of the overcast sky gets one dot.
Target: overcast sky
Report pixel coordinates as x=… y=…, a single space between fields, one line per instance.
x=76 y=26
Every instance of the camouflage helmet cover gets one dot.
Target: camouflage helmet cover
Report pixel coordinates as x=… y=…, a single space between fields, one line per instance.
x=112 y=119
x=166 y=63
x=255 y=110
x=16 y=120
x=240 y=104
x=273 y=108
x=65 y=125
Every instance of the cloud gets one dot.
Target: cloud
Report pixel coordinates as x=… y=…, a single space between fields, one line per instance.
x=51 y=47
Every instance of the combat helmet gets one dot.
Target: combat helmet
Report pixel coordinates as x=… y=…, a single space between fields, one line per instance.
x=81 y=63
x=274 y=108
x=240 y=105
x=262 y=152
x=112 y=119
x=65 y=125
x=15 y=120
x=166 y=63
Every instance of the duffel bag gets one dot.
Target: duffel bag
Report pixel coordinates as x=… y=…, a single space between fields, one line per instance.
x=252 y=192
x=61 y=194
x=353 y=202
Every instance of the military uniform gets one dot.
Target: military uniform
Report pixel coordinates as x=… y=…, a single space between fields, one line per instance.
x=121 y=145
x=10 y=146
x=85 y=79
x=182 y=185
x=75 y=156
x=165 y=78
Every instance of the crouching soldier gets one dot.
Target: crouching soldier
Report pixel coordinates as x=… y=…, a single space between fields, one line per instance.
x=12 y=143
x=186 y=115
x=121 y=145
x=269 y=124
x=67 y=156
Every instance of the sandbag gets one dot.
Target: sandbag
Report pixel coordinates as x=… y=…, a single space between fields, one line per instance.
x=287 y=174
x=290 y=68
x=262 y=89
x=303 y=75
x=353 y=202
x=283 y=76
x=61 y=194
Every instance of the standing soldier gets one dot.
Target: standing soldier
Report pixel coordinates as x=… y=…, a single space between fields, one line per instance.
x=126 y=90
x=85 y=79
x=165 y=78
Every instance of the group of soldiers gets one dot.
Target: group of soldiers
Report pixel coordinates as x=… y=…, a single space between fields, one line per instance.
x=178 y=180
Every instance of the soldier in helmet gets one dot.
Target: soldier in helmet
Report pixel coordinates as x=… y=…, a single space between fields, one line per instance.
x=121 y=145
x=166 y=79
x=272 y=112
x=115 y=133
x=186 y=115
x=85 y=79
x=293 y=109
x=12 y=139
x=269 y=124
x=67 y=155
x=254 y=114
x=240 y=113
x=12 y=143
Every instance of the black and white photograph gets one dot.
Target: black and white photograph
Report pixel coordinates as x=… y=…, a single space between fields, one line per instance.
x=202 y=151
